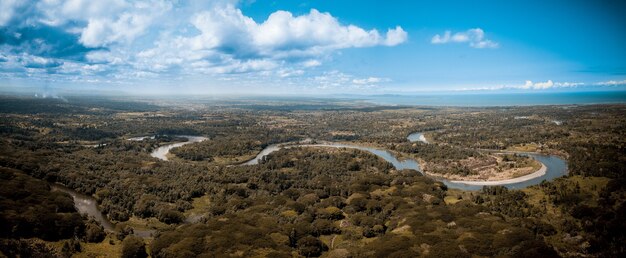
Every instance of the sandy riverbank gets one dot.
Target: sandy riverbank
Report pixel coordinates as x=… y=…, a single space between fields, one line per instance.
x=540 y=172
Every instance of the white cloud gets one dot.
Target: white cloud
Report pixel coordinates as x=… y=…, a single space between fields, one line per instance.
x=234 y=66
x=8 y=8
x=332 y=79
x=568 y=84
x=57 y=13
x=311 y=63
x=229 y=38
x=289 y=73
x=100 y=22
x=475 y=37
x=124 y=27
x=370 y=80
x=538 y=85
x=123 y=39
x=396 y=36
x=549 y=84
x=438 y=39
x=611 y=83
x=284 y=34
x=102 y=56
x=338 y=80
x=101 y=32
x=38 y=62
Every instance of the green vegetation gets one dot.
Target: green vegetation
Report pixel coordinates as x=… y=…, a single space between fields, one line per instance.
x=305 y=201
x=29 y=209
x=133 y=247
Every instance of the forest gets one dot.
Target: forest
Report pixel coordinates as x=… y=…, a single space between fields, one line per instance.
x=307 y=201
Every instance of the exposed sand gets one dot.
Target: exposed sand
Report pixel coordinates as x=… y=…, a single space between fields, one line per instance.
x=407 y=163
x=540 y=172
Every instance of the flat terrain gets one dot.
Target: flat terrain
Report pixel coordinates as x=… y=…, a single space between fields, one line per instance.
x=309 y=201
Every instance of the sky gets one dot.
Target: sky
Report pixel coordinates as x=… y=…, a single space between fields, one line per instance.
x=312 y=47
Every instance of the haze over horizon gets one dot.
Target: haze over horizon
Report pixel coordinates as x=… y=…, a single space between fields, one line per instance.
x=312 y=128
x=311 y=47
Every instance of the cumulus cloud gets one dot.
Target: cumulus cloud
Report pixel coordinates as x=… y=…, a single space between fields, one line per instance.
x=97 y=22
x=227 y=39
x=475 y=37
x=283 y=31
x=39 y=62
x=124 y=38
x=227 y=29
x=101 y=32
x=396 y=36
x=538 y=85
x=8 y=8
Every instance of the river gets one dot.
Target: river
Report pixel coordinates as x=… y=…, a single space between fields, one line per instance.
x=161 y=152
x=269 y=149
x=417 y=137
x=554 y=165
x=86 y=205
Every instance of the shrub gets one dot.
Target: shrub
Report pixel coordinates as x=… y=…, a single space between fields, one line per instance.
x=133 y=247
x=94 y=233
x=168 y=216
x=310 y=246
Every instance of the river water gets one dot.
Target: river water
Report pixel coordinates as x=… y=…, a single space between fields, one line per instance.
x=86 y=205
x=269 y=149
x=161 y=152
x=417 y=137
x=555 y=166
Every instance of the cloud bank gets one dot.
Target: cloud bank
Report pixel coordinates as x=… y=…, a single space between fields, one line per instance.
x=474 y=37
x=549 y=84
x=129 y=40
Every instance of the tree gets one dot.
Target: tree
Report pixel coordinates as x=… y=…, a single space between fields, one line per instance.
x=94 y=233
x=168 y=216
x=331 y=212
x=324 y=227
x=133 y=247
x=310 y=246
x=124 y=231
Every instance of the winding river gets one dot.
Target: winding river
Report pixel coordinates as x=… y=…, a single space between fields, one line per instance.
x=161 y=152
x=553 y=166
x=86 y=205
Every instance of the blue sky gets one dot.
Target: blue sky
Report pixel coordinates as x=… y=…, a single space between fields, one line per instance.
x=312 y=47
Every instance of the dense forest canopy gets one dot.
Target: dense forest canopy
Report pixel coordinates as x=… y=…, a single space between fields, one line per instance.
x=309 y=201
